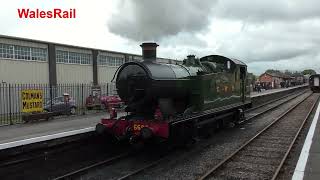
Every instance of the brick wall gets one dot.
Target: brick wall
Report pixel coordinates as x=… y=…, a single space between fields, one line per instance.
x=265 y=78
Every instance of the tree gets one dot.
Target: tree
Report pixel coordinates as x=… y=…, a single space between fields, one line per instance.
x=309 y=71
x=251 y=78
x=272 y=71
x=287 y=72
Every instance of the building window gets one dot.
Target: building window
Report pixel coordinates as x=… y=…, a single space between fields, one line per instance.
x=23 y=52
x=130 y=59
x=6 y=51
x=102 y=60
x=39 y=54
x=62 y=56
x=137 y=58
x=73 y=57
x=85 y=58
x=110 y=60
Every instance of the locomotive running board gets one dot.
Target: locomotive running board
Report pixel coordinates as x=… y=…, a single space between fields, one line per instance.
x=211 y=112
x=214 y=119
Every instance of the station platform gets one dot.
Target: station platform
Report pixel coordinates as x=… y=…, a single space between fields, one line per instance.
x=23 y=134
x=308 y=166
x=270 y=91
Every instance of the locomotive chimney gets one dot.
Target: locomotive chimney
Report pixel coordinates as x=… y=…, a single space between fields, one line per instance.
x=149 y=51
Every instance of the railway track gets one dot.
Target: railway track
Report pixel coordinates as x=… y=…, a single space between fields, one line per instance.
x=268 y=106
x=148 y=165
x=40 y=154
x=275 y=100
x=142 y=169
x=125 y=174
x=280 y=101
x=105 y=162
x=263 y=156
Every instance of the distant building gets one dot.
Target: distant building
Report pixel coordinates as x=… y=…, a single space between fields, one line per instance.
x=274 y=80
x=298 y=79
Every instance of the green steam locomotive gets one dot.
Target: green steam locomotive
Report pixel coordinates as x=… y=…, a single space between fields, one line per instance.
x=171 y=101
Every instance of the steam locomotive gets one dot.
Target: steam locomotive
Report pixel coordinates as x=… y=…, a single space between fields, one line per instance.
x=170 y=102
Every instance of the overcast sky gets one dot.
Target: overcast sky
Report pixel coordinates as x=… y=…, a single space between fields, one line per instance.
x=278 y=34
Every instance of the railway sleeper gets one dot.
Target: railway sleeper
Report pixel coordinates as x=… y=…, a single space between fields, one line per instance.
x=266 y=149
x=258 y=159
x=239 y=176
x=270 y=145
x=262 y=154
x=259 y=169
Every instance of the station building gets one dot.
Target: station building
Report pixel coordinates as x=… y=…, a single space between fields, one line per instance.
x=28 y=61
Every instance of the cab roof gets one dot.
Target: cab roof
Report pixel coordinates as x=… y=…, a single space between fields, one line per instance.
x=219 y=57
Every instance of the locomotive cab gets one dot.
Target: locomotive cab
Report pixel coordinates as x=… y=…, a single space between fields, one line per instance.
x=230 y=75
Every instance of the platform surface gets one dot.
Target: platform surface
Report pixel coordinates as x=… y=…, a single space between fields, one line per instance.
x=22 y=134
x=270 y=91
x=308 y=166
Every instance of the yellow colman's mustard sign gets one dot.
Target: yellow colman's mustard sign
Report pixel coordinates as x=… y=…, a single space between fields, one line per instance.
x=32 y=100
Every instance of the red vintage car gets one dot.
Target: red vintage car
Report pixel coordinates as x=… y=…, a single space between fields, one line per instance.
x=104 y=102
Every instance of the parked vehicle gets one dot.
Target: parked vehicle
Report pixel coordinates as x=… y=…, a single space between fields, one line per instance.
x=111 y=101
x=93 y=102
x=61 y=106
x=103 y=101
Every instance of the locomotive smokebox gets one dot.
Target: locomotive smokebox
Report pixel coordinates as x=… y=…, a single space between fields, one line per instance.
x=149 y=51
x=143 y=86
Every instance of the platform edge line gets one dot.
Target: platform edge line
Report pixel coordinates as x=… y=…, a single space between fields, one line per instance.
x=303 y=158
x=44 y=138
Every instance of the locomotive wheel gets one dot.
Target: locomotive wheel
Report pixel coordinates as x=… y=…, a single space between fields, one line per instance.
x=189 y=131
x=183 y=135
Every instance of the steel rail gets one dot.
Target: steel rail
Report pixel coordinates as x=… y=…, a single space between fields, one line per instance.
x=84 y=169
x=210 y=172
x=140 y=170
